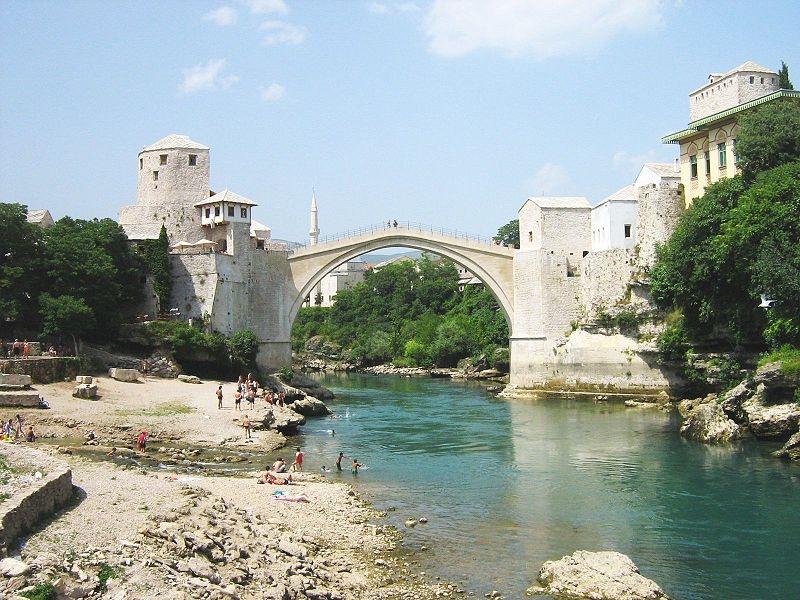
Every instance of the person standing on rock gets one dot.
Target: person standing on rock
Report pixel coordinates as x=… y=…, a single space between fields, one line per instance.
x=246 y=426
x=141 y=442
x=297 y=465
x=219 y=397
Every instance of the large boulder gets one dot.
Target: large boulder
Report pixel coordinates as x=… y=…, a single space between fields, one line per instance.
x=791 y=450
x=127 y=375
x=310 y=407
x=772 y=422
x=595 y=576
x=708 y=423
x=772 y=375
x=732 y=400
x=284 y=420
x=15 y=379
x=86 y=390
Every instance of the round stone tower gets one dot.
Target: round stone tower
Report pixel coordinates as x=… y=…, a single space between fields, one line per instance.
x=173 y=176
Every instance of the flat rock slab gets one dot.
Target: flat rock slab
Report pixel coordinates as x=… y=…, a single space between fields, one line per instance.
x=86 y=390
x=126 y=375
x=21 y=399
x=189 y=379
x=87 y=379
x=14 y=379
x=595 y=576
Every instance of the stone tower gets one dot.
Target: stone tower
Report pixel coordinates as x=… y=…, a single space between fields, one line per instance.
x=314 y=231
x=173 y=175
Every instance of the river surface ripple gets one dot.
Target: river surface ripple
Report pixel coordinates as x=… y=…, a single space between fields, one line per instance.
x=507 y=485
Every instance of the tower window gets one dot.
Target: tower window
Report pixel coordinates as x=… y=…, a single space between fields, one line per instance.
x=627 y=230
x=230 y=211
x=193 y=160
x=208 y=213
x=762 y=80
x=216 y=211
x=141 y=164
x=693 y=165
x=752 y=79
x=530 y=236
x=244 y=213
x=155 y=175
x=708 y=162
x=162 y=159
x=723 y=157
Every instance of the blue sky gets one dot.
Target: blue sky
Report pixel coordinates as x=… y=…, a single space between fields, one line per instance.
x=445 y=112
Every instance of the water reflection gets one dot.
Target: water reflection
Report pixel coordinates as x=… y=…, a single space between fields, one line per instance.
x=508 y=485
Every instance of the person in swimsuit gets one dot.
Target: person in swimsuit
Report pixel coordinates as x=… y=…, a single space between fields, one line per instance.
x=297 y=465
x=339 y=461
x=356 y=464
x=219 y=397
x=246 y=426
x=237 y=400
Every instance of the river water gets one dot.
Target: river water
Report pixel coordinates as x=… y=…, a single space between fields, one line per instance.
x=507 y=485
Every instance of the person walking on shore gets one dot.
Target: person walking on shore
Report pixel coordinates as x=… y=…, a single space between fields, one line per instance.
x=237 y=399
x=297 y=465
x=219 y=397
x=246 y=427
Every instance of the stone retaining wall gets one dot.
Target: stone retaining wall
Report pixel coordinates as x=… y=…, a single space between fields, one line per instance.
x=42 y=369
x=25 y=509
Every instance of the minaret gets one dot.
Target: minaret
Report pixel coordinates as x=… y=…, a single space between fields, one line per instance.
x=314 y=232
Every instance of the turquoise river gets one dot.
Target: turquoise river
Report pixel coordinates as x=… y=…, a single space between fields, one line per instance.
x=506 y=485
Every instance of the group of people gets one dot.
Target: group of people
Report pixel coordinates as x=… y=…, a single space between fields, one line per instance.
x=248 y=389
x=391 y=223
x=12 y=430
x=22 y=349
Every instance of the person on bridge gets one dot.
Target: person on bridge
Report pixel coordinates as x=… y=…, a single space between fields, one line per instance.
x=394 y=223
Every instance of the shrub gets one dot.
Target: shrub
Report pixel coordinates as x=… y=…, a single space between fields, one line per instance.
x=788 y=356
x=416 y=352
x=243 y=348
x=286 y=374
x=603 y=319
x=41 y=591
x=627 y=320
x=673 y=343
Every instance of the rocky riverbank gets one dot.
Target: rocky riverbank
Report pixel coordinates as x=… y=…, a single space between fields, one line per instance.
x=134 y=534
x=763 y=406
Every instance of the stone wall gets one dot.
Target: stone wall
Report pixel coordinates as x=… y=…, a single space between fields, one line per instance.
x=606 y=279
x=43 y=369
x=29 y=505
x=660 y=207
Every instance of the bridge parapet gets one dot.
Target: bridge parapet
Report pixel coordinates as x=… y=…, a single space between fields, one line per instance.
x=415 y=229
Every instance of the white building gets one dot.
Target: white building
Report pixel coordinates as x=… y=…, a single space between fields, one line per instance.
x=614 y=220
x=41 y=217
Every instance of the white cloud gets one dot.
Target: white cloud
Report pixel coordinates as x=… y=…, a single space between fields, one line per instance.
x=541 y=29
x=281 y=32
x=384 y=8
x=222 y=16
x=273 y=92
x=550 y=179
x=207 y=77
x=379 y=8
x=262 y=7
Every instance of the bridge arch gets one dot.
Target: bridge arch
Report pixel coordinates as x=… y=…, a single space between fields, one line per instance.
x=490 y=263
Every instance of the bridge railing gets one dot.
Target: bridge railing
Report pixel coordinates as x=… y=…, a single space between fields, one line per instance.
x=402 y=226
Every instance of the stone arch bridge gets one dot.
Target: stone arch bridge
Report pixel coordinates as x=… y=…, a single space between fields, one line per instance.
x=488 y=261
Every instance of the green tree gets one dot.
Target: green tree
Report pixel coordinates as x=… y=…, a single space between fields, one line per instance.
x=243 y=348
x=783 y=78
x=93 y=261
x=155 y=254
x=20 y=247
x=66 y=315
x=769 y=136
x=508 y=234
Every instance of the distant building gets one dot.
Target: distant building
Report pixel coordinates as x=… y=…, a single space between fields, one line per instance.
x=708 y=144
x=466 y=278
x=341 y=278
x=41 y=217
